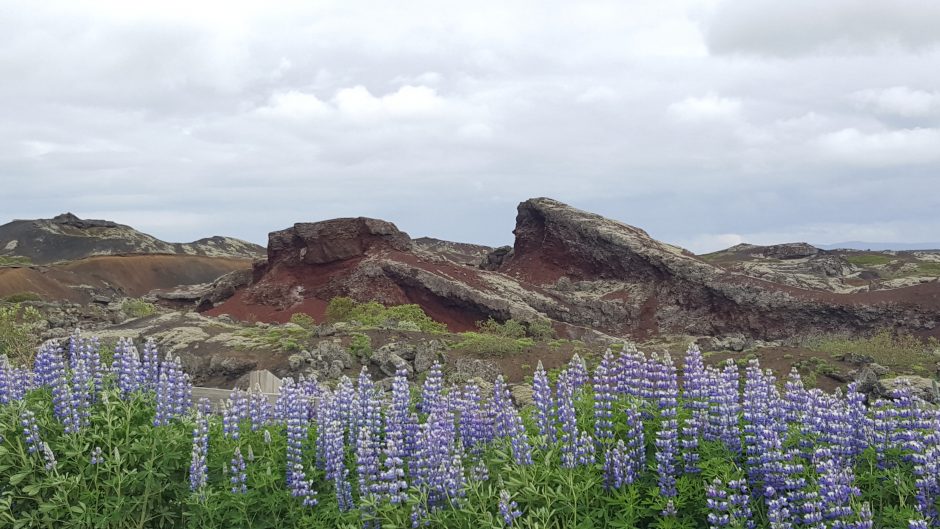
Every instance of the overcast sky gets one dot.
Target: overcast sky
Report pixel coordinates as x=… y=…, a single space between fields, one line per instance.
x=707 y=123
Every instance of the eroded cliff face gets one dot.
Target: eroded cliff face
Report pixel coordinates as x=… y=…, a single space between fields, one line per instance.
x=579 y=269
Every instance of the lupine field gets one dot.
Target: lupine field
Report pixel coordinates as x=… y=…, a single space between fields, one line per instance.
x=631 y=443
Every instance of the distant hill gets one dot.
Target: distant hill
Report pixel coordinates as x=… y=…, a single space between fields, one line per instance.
x=67 y=237
x=881 y=246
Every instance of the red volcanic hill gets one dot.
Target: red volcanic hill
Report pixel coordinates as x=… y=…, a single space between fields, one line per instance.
x=578 y=269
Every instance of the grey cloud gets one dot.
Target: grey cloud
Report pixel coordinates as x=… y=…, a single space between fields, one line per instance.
x=235 y=119
x=796 y=27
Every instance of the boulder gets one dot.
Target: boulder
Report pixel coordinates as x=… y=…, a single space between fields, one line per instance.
x=867 y=382
x=426 y=354
x=326 y=360
x=230 y=366
x=475 y=368
x=925 y=388
x=858 y=359
x=522 y=394
x=389 y=362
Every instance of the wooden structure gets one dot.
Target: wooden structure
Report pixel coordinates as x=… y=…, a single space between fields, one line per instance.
x=269 y=384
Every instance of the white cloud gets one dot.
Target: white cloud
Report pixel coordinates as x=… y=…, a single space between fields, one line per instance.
x=705 y=109
x=407 y=102
x=899 y=101
x=885 y=148
x=294 y=104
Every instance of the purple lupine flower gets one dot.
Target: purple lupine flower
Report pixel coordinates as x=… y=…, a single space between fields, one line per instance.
x=519 y=439
x=126 y=366
x=56 y=377
x=474 y=429
x=294 y=409
x=367 y=464
x=584 y=449
x=6 y=375
x=30 y=431
x=199 y=462
x=729 y=505
x=864 y=520
x=604 y=386
x=174 y=392
x=431 y=390
x=836 y=487
x=96 y=457
x=370 y=407
x=615 y=464
x=577 y=372
x=918 y=524
x=544 y=404
x=926 y=459
x=724 y=407
x=150 y=365
x=398 y=420
x=419 y=516
x=438 y=465
x=630 y=372
x=569 y=422
x=695 y=399
x=239 y=478
x=234 y=412
x=49 y=456
x=48 y=363
x=508 y=508
x=667 y=438
x=332 y=432
x=81 y=393
x=259 y=409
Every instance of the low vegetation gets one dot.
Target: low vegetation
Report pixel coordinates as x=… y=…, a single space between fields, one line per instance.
x=14 y=261
x=360 y=345
x=21 y=297
x=19 y=332
x=290 y=338
x=373 y=314
x=504 y=338
x=872 y=259
x=138 y=308
x=893 y=350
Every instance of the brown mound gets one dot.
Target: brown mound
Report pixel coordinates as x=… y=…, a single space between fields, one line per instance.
x=129 y=275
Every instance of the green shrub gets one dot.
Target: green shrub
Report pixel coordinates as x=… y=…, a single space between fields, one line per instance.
x=484 y=344
x=540 y=330
x=508 y=329
x=361 y=346
x=18 y=332
x=20 y=297
x=340 y=308
x=138 y=308
x=373 y=314
x=304 y=320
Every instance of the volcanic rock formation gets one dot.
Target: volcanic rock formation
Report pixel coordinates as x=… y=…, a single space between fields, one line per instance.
x=578 y=269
